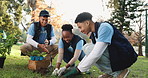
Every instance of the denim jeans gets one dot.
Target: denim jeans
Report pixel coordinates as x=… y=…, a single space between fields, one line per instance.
x=103 y=63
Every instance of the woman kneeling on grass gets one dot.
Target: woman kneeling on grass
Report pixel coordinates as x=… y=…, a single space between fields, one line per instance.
x=69 y=49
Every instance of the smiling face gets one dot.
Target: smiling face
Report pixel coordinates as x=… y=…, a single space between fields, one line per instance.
x=43 y=20
x=84 y=27
x=67 y=36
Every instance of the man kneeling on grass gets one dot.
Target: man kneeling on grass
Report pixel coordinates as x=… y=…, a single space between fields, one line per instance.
x=40 y=36
x=112 y=52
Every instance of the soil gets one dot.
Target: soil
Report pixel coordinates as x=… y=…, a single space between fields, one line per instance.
x=44 y=71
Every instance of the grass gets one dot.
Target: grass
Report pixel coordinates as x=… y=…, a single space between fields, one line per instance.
x=16 y=67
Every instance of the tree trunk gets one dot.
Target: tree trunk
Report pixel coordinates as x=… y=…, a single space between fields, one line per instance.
x=140 y=50
x=140 y=41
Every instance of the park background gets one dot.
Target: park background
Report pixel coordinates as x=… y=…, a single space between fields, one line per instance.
x=129 y=16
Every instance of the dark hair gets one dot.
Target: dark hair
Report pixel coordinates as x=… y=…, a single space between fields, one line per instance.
x=67 y=27
x=83 y=17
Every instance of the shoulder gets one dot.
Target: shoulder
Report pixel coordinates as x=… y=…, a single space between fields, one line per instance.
x=76 y=36
x=106 y=26
x=32 y=25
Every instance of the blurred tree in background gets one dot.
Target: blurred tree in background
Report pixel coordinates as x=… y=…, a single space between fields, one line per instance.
x=128 y=13
x=123 y=13
x=10 y=16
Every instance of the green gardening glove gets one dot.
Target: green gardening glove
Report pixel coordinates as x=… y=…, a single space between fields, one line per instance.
x=73 y=71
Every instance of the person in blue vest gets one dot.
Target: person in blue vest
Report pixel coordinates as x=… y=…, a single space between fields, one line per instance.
x=69 y=49
x=112 y=53
x=40 y=36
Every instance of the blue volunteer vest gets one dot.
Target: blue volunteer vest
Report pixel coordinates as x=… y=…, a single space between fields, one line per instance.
x=121 y=52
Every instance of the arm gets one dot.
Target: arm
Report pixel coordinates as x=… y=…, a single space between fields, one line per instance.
x=53 y=38
x=30 y=35
x=60 y=53
x=61 y=70
x=59 y=61
x=35 y=44
x=31 y=41
x=74 y=59
x=60 y=57
x=52 y=41
x=95 y=54
x=77 y=53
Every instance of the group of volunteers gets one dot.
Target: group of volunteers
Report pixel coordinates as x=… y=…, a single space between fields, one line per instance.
x=111 y=52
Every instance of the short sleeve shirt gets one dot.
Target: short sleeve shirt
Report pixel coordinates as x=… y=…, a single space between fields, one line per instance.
x=43 y=33
x=105 y=33
x=78 y=46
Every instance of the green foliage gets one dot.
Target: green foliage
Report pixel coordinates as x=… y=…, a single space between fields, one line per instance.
x=6 y=44
x=124 y=11
x=23 y=37
x=10 y=16
x=37 y=53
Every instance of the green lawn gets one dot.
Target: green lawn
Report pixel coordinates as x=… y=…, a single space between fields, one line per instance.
x=16 y=67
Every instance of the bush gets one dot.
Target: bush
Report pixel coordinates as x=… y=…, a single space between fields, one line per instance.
x=6 y=44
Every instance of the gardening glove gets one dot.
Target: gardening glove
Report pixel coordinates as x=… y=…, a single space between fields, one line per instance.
x=61 y=71
x=55 y=72
x=73 y=71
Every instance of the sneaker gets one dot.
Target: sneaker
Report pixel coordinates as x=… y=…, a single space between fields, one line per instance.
x=123 y=74
x=105 y=76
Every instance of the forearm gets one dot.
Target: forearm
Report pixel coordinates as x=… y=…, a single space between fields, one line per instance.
x=60 y=57
x=52 y=41
x=95 y=54
x=31 y=41
x=75 y=57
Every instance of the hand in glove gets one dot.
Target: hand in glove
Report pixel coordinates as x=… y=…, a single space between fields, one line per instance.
x=55 y=72
x=73 y=71
x=61 y=70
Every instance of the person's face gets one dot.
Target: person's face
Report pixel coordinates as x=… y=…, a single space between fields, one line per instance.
x=67 y=36
x=84 y=27
x=43 y=21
